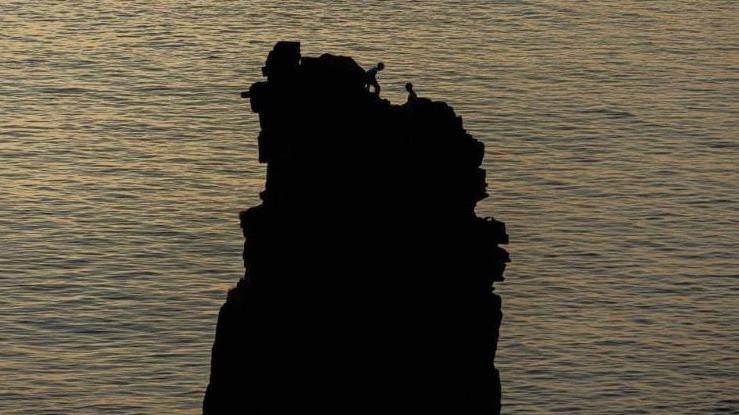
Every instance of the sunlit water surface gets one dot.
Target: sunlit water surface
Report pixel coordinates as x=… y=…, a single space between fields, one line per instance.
x=611 y=134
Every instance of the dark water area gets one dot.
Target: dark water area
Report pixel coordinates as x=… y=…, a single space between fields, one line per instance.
x=611 y=139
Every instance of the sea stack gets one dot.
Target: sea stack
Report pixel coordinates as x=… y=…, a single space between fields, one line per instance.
x=369 y=278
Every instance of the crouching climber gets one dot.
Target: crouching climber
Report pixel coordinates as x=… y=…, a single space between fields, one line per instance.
x=372 y=77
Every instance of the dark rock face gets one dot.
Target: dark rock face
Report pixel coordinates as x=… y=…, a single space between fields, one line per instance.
x=368 y=285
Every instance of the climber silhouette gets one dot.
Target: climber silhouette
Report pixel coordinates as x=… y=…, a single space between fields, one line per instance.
x=372 y=77
x=411 y=94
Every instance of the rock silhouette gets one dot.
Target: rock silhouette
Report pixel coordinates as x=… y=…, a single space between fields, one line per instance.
x=368 y=284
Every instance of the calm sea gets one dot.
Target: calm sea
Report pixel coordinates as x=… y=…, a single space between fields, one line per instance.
x=611 y=131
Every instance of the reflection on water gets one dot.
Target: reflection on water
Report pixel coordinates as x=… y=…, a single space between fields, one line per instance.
x=611 y=131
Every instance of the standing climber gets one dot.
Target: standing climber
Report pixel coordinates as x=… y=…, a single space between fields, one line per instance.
x=372 y=77
x=411 y=93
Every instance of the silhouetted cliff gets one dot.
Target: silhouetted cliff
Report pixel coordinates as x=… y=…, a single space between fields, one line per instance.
x=368 y=285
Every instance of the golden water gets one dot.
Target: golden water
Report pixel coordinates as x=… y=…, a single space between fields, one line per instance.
x=611 y=131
